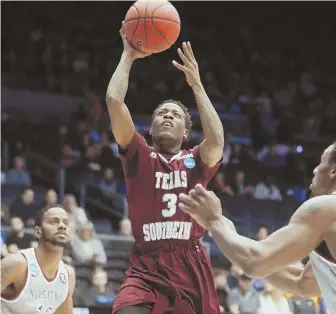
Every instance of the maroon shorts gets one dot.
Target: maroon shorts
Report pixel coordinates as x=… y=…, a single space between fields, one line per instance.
x=175 y=278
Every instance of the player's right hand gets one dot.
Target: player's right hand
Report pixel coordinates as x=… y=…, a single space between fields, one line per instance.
x=132 y=52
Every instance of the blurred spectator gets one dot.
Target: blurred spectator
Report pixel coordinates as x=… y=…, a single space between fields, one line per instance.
x=25 y=208
x=108 y=184
x=233 y=276
x=272 y=159
x=18 y=175
x=267 y=190
x=68 y=156
x=107 y=156
x=272 y=300
x=76 y=214
x=220 y=185
x=17 y=239
x=86 y=247
x=222 y=288
x=4 y=215
x=125 y=227
x=239 y=157
x=88 y=166
x=244 y=299
x=262 y=233
x=50 y=198
x=98 y=293
x=240 y=187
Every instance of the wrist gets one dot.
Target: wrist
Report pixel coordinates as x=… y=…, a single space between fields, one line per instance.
x=216 y=224
x=198 y=88
x=127 y=57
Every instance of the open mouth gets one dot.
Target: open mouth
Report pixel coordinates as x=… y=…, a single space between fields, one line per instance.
x=167 y=123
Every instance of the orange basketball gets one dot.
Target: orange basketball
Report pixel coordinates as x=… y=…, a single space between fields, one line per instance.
x=152 y=26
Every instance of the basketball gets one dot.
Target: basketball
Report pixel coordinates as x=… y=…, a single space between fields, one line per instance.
x=152 y=26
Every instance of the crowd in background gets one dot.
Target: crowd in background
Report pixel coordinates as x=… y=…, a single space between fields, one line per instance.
x=280 y=76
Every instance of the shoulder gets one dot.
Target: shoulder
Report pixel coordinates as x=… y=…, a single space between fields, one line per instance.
x=14 y=266
x=17 y=261
x=319 y=207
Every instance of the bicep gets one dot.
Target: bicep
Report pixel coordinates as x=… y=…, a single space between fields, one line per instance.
x=122 y=124
x=286 y=246
x=210 y=154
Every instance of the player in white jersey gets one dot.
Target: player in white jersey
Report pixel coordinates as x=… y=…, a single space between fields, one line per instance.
x=312 y=223
x=36 y=281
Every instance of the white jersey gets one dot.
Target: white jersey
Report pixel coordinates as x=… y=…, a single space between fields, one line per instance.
x=325 y=273
x=39 y=296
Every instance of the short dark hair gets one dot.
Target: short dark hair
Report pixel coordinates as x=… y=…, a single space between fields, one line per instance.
x=188 y=121
x=39 y=217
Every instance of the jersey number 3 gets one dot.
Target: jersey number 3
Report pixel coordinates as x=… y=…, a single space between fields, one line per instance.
x=171 y=200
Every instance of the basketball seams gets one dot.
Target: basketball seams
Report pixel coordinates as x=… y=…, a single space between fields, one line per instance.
x=145 y=26
x=154 y=18
x=136 y=9
x=163 y=36
x=157 y=33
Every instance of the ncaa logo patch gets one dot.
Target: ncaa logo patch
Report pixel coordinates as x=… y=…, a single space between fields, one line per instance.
x=34 y=269
x=189 y=163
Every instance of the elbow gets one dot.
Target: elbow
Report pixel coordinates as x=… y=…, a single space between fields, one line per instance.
x=256 y=268
x=113 y=100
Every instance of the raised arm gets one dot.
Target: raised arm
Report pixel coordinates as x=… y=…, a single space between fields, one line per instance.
x=211 y=149
x=122 y=124
x=296 y=280
x=304 y=232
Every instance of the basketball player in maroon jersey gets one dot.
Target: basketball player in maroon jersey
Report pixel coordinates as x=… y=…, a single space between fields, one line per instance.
x=169 y=271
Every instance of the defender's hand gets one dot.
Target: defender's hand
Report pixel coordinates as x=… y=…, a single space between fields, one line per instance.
x=202 y=205
x=129 y=49
x=190 y=67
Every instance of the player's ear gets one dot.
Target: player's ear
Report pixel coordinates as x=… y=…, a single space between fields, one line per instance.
x=333 y=172
x=37 y=232
x=185 y=135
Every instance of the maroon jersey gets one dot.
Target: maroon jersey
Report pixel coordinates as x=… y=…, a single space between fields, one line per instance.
x=154 y=182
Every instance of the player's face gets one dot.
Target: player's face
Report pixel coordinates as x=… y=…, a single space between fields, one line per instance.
x=169 y=122
x=324 y=174
x=55 y=228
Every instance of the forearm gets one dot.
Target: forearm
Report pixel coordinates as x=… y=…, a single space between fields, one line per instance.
x=117 y=88
x=287 y=280
x=293 y=280
x=241 y=251
x=211 y=123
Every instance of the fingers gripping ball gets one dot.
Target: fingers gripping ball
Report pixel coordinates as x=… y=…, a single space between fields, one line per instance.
x=152 y=26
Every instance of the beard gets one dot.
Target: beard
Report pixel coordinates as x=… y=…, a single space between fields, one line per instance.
x=47 y=239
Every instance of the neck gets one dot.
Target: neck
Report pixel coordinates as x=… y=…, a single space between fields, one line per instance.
x=48 y=259
x=164 y=145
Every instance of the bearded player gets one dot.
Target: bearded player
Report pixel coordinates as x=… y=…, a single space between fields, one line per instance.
x=36 y=281
x=169 y=269
x=311 y=230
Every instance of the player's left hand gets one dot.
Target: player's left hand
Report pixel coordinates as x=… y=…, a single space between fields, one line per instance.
x=190 y=66
x=202 y=205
